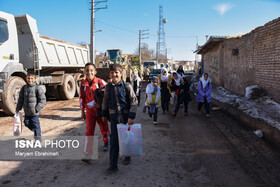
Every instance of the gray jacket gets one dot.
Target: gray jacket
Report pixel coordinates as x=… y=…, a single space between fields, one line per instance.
x=32 y=98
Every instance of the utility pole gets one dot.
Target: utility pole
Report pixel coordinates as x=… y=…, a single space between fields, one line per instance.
x=140 y=46
x=92 y=28
x=92 y=44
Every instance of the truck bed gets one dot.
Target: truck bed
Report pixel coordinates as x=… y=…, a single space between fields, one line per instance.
x=45 y=52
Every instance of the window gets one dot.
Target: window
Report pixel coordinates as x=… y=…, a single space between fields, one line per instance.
x=4 y=35
x=114 y=55
x=147 y=64
x=156 y=71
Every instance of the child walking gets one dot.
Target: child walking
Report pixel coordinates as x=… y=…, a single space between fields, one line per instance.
x=180 y=87
x=153 y=99
x=90 y=107
x=165 y=91
x=204 y=94
x=136 y=85
x=121 y=102
x=32 y=99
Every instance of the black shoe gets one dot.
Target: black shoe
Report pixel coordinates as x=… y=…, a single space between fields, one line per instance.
x=126 y=160
x=106 y=147
x=112 y=169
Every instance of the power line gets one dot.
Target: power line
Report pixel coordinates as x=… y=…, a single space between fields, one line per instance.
x=116 y=27
x=135 y=32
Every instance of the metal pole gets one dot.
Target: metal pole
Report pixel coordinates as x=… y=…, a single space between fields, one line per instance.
x=92 y=42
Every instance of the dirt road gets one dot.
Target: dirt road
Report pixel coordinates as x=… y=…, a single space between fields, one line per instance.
x=185 y=151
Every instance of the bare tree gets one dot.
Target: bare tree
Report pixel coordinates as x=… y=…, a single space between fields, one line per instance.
x=146 y=53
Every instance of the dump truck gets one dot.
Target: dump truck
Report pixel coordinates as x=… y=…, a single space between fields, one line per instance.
x=57 y=64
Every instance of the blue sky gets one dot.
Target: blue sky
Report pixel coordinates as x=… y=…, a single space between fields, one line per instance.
x=187 y=21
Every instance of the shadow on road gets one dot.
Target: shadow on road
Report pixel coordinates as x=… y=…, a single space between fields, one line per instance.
x=58 y=117
x=2 y=114
x=67 y=109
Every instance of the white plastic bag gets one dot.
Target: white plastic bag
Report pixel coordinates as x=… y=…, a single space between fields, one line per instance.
x=91 y=104
x=17 y=124
x=173 y=98
x=130 y=140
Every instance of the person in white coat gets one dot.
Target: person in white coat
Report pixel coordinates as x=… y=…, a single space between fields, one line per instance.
x=153 y=99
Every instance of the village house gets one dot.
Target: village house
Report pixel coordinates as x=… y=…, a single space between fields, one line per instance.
x=237 y=62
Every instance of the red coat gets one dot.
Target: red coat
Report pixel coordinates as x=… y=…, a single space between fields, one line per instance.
x=87 y=93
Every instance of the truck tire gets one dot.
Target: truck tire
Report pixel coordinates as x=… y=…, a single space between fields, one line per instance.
x=78 y=81
x=11 y=95
x=68 y=87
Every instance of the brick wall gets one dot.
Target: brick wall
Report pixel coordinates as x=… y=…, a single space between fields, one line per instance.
x=212 y=63
x=257 y=61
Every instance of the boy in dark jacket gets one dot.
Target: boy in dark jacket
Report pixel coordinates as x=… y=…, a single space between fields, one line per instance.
x=32 y=98
x=121 y=101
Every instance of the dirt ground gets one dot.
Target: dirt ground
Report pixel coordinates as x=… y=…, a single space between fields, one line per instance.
x=185 y=151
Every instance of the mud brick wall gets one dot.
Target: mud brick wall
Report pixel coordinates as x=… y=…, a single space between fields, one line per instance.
x=253 y=58
x=212 y=62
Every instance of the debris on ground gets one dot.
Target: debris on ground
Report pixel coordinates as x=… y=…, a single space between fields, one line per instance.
x=263 y=108
x=258 y=133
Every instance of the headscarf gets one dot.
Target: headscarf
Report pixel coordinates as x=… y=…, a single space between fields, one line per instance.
x=205 y=82
x=179 y=70
x=177 y=81
x=135 y=76
x=151 y=89
x=164 y=78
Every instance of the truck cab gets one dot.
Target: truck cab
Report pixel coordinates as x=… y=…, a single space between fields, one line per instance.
x=12 y=73
x=115 y=55
x=150 y=64
x=9 y=51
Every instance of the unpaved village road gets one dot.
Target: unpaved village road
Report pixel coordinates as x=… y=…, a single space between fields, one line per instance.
x=185 y=151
